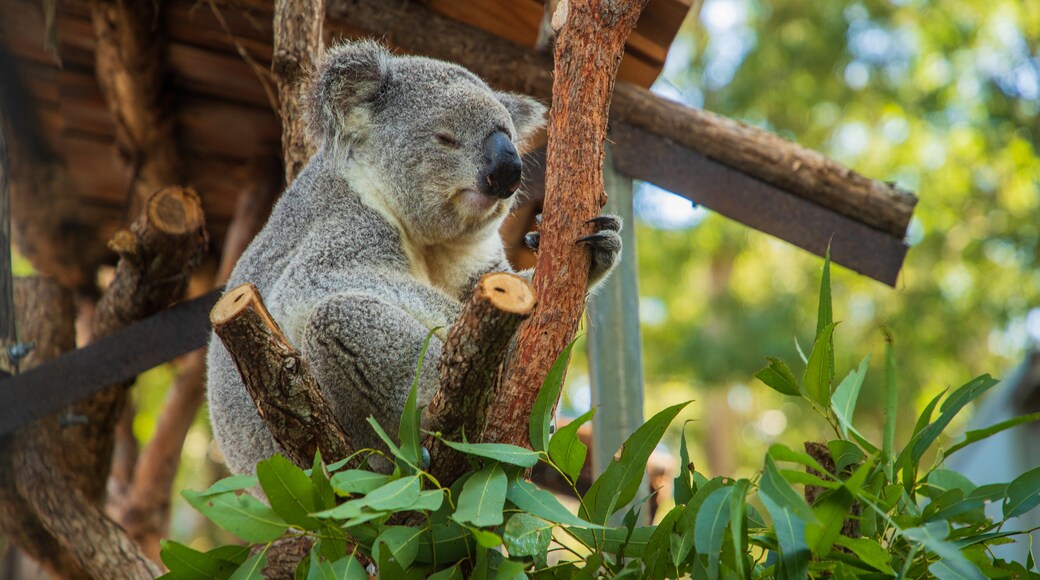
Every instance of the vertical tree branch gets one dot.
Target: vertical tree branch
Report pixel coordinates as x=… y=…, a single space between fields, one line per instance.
x=157 y=256
x=588 y=52
x=57 y=516
x=146 y=512
x=130 y=72
x=297 y=46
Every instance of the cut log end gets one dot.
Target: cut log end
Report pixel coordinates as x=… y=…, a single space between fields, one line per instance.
x=175 y=210
x=236 y=301
x=508 y=293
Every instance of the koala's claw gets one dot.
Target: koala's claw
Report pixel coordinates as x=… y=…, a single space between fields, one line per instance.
x=538 y=219
x=532 y=239
x=606 y=222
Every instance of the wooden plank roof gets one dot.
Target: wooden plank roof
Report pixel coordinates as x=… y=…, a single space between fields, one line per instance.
x=218 y=56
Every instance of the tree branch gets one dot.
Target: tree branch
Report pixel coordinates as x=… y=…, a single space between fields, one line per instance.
x=130 y=72
x=278 y=379
x=297 y=46
x=471 y=361
x=55 y=512
x=157 y=256
x=588 y=52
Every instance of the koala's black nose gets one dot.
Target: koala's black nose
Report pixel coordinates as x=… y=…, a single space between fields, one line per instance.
x=501 y=174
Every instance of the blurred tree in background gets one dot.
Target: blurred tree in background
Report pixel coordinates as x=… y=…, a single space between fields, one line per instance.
x=940 y=97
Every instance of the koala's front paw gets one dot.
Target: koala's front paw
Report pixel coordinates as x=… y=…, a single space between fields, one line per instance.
x=604 y=247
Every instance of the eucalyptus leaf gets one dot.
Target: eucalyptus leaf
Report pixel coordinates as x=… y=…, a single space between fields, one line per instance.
x=843 y=402
x=820 y=369
x=357 y=481
x=511 y=454
x=252 y=568
x=483 y=498
x=399 y=543
x=543 y=504
x=977 y=435
x=1023 y=494
x=526 y=535
x=241 y=514
x=186 y=563
x=778 y=376
x=289 y=491
x=565 y=448
x=545 y=401
x=712 y=519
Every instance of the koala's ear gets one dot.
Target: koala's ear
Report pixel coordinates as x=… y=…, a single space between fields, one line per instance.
x=348 y=76
x=528 y=114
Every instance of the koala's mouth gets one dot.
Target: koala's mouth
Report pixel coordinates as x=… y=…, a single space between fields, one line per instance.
x=476 y=202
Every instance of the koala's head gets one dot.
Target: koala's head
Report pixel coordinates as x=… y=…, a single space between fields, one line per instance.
x=433 y=141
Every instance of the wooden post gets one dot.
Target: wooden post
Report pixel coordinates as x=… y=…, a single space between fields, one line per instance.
x=588 y=52
x=614 y=345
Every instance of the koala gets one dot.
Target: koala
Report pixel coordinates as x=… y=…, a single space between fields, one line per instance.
x=382 y=236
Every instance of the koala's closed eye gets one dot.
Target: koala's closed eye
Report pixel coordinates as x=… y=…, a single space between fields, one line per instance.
x=448 y=140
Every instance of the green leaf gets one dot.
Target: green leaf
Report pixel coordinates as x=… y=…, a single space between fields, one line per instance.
x=526 y=535
x=710 y=527
x=188 y=564
x=619 y=482
x=394 y=449
x=357 y=481
x=1023 y=494
x=565 y=448
x=545 y=402
x=541 y=503
x=233 y=483
x=453 y=573
x=446 y=544
x=843 y=402
x=952 y=563
x=738 y=525
x=396 y=495
x=408 y=429
x=503 y=452
x=401 y=543
x=888 y=434
x=320 y=569
x=781 y=493
x=781 y=452
x=830 y=512
x=485 y=538
x=825 y=315
x=349 y=568
x=324 y=495
x=869 y=551
x=844 y=454
x=950 y=408
x=819 y=370
x=242 y=515
x=778 y=376
x=289 y=491
x=790 y=535
x=483 y=498
x=682 y=488
x=251 y=568
x=977 y=435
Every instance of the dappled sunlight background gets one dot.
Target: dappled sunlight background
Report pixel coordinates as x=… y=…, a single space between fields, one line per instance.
x=938 y=97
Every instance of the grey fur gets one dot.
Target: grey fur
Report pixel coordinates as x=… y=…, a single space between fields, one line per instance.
x=379 y=239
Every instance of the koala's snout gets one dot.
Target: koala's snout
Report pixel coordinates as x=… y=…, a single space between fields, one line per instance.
x=500 y=176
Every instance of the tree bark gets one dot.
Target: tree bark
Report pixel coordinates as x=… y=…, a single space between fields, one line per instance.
x=588 y=52
x=146 y=511
x=157 y=256
x=297 y=46
x=472 y=359
x=130 y=72
x=278 y=379
x=761 y=154
x=56 y=522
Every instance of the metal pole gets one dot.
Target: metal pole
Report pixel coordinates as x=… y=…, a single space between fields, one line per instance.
x=614 y=344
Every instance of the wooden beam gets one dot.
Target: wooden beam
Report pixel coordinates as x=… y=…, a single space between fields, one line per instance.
x=801 y=172
x=758 y=204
